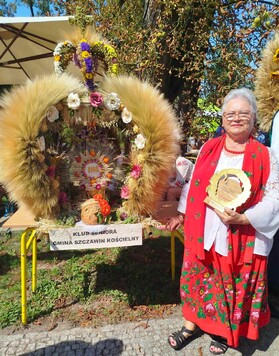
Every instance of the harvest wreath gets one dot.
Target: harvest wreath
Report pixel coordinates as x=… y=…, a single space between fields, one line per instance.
x=267 y=83
x=63 y=141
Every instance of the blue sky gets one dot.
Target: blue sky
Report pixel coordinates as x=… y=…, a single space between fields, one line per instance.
x=23 y=11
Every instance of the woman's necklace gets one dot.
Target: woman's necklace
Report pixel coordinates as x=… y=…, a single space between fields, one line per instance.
x=231 y=151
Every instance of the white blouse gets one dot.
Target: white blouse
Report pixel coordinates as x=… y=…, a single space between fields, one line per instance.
x=275 y=136
x=264 y=216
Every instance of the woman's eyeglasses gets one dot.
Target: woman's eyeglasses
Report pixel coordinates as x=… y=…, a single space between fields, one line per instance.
x=242 y=115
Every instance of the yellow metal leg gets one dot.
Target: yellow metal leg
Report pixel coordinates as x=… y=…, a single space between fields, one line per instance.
x=23 y=264
x=34 y=264
x=24 y=246
x=179 y=236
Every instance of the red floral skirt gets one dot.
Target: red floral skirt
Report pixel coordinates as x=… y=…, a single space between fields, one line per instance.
x=222 y=299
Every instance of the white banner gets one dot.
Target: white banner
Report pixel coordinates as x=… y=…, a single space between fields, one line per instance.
x=95 y=236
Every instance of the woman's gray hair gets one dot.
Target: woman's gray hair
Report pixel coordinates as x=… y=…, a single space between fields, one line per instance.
x=243 y=93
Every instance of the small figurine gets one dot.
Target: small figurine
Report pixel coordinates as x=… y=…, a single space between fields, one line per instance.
x=94 y=211
x=89 y=211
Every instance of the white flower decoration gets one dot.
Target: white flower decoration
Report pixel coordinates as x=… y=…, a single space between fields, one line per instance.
x=57 y=67
x=176 y=134
x=140 y=141
x=52 y=114
x=126 y=116
x=73 y=101
x=41 y=143
x=57 y=49
x=112 y=101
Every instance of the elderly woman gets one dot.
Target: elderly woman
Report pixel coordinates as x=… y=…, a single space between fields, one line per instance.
x=224 y=272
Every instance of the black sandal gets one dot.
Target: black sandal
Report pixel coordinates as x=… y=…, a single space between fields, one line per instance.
x=180 y=338
x=220 y=343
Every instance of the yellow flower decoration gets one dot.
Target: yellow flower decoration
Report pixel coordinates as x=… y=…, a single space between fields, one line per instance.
x=114 y=69
x=275 y=74
x=109 y=55
x=136 y=129
x=276 y=56
x=85 y=54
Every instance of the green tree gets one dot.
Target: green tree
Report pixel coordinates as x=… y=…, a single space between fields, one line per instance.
x=7 y=8
x=190 y=48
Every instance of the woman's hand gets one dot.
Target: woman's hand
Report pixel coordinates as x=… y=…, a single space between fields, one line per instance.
x=174 y=222
x=231 y=217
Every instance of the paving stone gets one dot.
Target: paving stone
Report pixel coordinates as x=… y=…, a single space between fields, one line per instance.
x=128 y=339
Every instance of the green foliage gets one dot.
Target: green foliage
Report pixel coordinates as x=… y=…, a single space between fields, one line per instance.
x=189 y=48
x=7 y=8
x=206 y=120
x=9 y=314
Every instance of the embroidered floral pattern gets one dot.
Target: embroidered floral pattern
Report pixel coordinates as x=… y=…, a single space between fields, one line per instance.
x=219 y=296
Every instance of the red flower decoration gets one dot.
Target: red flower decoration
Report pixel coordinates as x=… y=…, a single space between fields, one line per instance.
x=98 y=197
x=105 y=208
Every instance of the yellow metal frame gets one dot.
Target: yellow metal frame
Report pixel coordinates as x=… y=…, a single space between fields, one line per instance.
x=28 y=239
x=174 y=234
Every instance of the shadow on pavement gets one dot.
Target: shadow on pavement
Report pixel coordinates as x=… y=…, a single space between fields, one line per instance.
x=77 y=347
x=268 y=335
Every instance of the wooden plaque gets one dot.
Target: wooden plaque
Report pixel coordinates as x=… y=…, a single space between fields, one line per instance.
x=228 y=188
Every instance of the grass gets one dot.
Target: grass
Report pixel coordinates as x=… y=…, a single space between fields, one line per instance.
x=90 y=287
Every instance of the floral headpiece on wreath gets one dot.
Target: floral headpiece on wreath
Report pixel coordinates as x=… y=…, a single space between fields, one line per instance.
x=86 y=54
x=86 y=50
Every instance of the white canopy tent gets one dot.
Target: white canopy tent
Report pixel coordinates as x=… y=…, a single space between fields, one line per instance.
x=27 y=44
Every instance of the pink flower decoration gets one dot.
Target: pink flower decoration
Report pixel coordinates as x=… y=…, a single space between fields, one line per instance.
x=123 y=216
x=209 y=309
x=96 y=99
x=254 y=316
x=136 y=171
x=125 y=192
x=246 y=277
x=237 y=315
x=187 y=265
x=63 y=199
x=51 y=171
x=98 y=186
x=182 y=294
